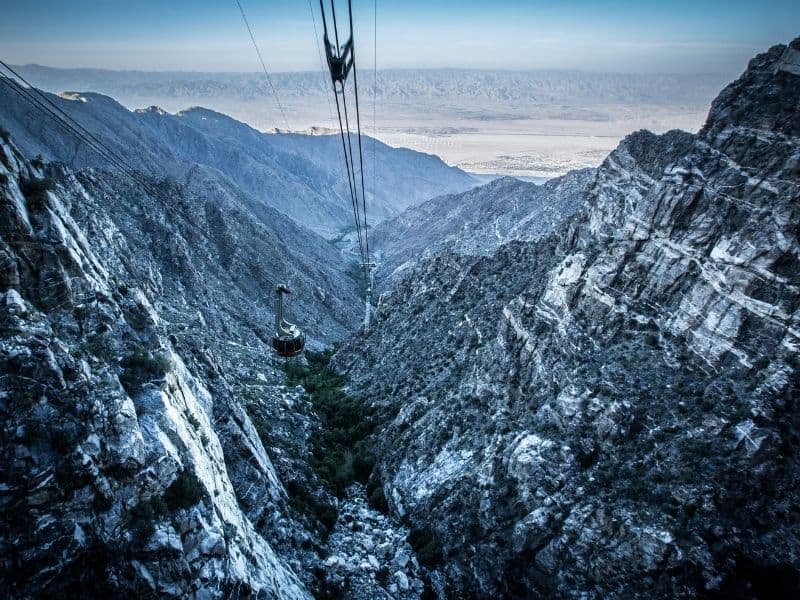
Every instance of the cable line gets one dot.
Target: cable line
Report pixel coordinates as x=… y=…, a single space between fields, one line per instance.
x=339 y=64
x=371 y=265
x=66 y=121
x=321 y=60
x=37 y=104
x=358 y=125
x=263 y=66
x=353 y=169
x=341 y=61
x=71 y=126
x=374 y=94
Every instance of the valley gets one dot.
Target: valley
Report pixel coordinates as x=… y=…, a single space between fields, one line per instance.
x=587 y=387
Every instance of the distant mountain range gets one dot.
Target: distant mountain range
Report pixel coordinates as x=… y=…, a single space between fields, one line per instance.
x=462 y=85
x=514 y=123
x=302 y=176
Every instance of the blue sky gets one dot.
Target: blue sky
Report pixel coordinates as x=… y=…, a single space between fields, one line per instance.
x=204 y=35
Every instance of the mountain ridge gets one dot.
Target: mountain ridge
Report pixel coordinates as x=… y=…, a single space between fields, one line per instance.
x=393 y=82
x=614 y=407
x=475 y=222
x=301 y=176
x=120 y=419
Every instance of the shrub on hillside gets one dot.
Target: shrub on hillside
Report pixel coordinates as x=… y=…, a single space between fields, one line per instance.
x=427 y=548
x=142 y=366
x=184 y=492
x=35 y=192
x=341 y=449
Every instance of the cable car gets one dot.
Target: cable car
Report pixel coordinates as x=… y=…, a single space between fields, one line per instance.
x=288 y=340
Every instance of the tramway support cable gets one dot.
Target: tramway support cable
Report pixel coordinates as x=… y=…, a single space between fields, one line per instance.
x=341 y=58
x=39 y=101
x=263 y=64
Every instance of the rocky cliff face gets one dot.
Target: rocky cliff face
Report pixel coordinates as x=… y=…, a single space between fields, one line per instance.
x=608 y=410
x=140 y=404
x=613 y=410
x=476 y=222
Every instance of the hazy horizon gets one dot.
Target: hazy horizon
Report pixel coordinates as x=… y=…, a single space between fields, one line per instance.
x=455 y=77
x=528 y=124
x=258 y=73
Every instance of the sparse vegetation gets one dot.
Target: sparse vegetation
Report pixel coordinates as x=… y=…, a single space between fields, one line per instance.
x=35 y=192
x=301 y=500
x=101 y=502
x=377 y=499
x=342 y=234
x=137 y=317
x=142 y=519
x=193 y=421
x=356 y=272
x=141 y=367
x=99 y=346
x=341 y=449
x=427 y=548
x=184 y=492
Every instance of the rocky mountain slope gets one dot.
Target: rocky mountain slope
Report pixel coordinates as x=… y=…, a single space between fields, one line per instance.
x=300 y=175
x=148 y=441
x=127 y=461
x=150 y=445
x=475 y=222
x=613 y=411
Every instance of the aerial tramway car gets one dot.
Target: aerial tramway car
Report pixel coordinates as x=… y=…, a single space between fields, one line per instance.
x=288 y=340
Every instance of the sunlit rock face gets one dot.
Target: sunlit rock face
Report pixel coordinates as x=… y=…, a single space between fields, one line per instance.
x=612 y=410
x=150 y=446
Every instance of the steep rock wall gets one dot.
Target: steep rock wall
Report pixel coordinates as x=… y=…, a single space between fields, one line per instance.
x=116 y=473
x=613 y=411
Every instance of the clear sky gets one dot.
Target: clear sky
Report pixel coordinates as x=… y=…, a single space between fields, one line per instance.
x=208 y=35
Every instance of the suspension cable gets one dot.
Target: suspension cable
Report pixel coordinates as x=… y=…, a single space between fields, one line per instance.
x=71 y=126
x=36 y=104
x=38 y=99
x=263 y=65
x=358 y=125
x=374 y=95
x=321 y=61
x=350 y=151
x=340 y=61
x=344 y=127
x=348 y=159
x=335 y=27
